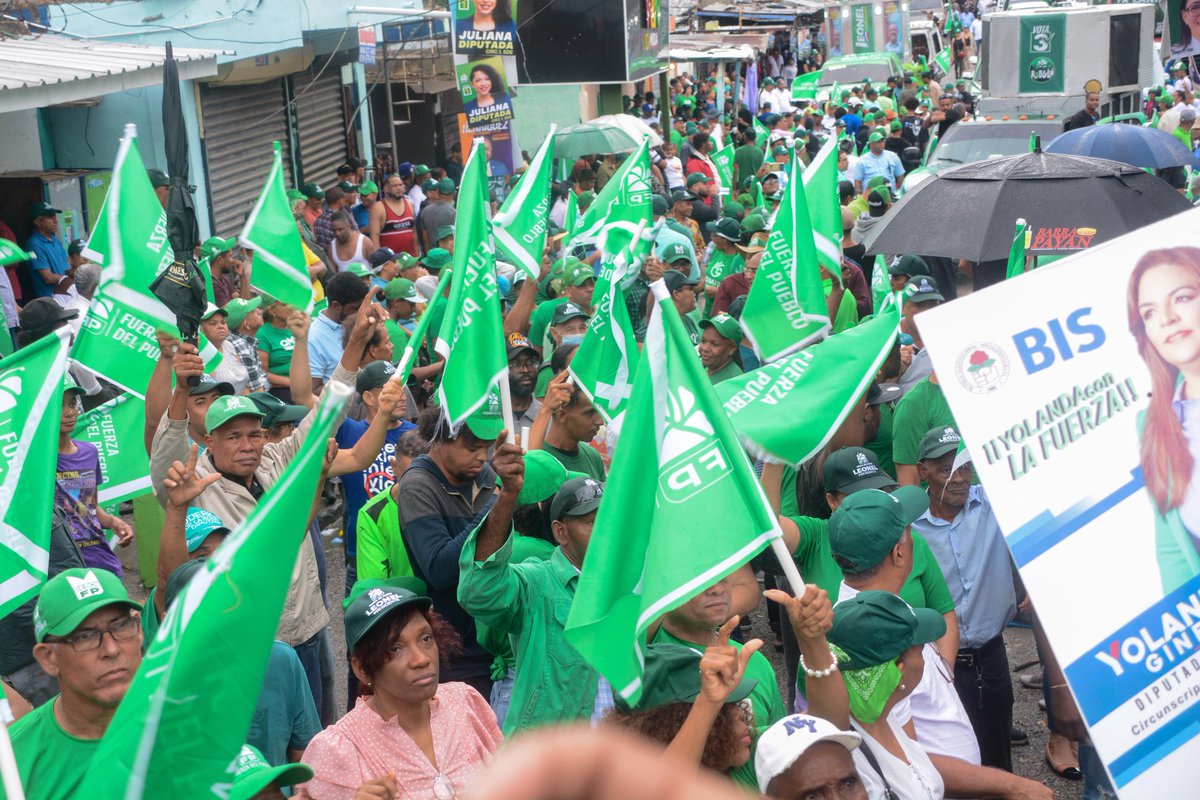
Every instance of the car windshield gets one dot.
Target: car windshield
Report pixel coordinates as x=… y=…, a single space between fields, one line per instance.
x=966 y=144
x=858 y=72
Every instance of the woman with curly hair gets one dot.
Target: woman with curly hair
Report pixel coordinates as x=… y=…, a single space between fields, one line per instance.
x=488 y=90
x=407 y=729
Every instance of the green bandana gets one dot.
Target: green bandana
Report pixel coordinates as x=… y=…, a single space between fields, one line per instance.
x=869 y=688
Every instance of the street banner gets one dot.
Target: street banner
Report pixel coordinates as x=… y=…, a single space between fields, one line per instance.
x=862 y=28
x=804 y=87
x=723 y=160
x=1071 y=387
x=31 y=390
x=679 y=470
x=484 y=92
x=816 y=388
x=485 y=28
x=1042 y=54
x=117 y=430
x=621 y=207
x=279 y=269
x=824 y=208
x=521 y=224
x=185 y=717
x=1181 y=34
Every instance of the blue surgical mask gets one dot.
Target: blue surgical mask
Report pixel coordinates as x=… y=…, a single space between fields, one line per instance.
x=573 y=338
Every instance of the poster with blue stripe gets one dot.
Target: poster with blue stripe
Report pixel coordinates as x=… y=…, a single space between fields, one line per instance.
x=1076 y=388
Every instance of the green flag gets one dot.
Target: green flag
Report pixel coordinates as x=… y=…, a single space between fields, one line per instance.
x=521 y=224
x=759 y=200
x=942 y=63
x=472 y=335
x=187 y=712
x=1016 y=253
x=815 y=388
x=270 y=231
x=881 y=284
x=761 y=133
x=804 y=87
x=679 y=480
x=408 y=358
x=824 y=208
x=31 y=390
x=13 y=253
x=115 y=428
x=786 y=308
x=723 y=159
x=571 y=219
x=621 y=206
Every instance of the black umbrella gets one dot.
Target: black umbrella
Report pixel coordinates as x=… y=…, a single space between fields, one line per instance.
x=1070 y=202
x=180 y=286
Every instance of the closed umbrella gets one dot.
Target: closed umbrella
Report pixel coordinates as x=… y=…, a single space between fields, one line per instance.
x=1138 y=146
x=615 y=133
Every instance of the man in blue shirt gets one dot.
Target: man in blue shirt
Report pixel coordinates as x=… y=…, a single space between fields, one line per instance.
x=878 y=161
x=345 y=293
x=961 y=530
x=51 y=266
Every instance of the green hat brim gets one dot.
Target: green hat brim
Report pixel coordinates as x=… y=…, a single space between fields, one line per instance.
x=287 y=775
x=67 y=625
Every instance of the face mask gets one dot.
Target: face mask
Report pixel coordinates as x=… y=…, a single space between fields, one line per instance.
x=573 y=338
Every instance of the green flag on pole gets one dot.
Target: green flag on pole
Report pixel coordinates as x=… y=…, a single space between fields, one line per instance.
x=760 y=201
x=761 y=134
x=521 y=224
x=31 y=391
x=472 y=335
x=571 y=218
x=942 y=63
x=786 y=308
x=1016 y=253
x=186 y=714
x=881 y=284
x=622 y=205
x=12 y=253
x=270 y=231
x=115 y=428
x=824 y=208
x=816 y=388
x=723 y=159
x=805 y=86
x=679 y=479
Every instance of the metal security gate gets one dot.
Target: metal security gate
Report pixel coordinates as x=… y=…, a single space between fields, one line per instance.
x=239 y=124
x=320 y=124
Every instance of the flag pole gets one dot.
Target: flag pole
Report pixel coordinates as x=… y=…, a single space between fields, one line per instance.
x=8 y=767
x=506 y=407
x=789 y=565
x=418 y=335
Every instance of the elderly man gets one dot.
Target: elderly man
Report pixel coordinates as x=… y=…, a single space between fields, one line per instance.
x=51 y=266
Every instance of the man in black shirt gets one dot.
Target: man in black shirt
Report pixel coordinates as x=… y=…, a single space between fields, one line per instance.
x=946 y=115
x=1087 y=115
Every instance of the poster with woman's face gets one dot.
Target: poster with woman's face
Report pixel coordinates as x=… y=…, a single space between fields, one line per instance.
x=1076 y=388
x=485 y=27
x=1183 y=27
x=484 y=92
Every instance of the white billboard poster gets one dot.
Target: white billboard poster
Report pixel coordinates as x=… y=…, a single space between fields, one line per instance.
x=1077 y=390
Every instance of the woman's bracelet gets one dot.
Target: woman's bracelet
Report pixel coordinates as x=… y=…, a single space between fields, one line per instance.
x=819 y=673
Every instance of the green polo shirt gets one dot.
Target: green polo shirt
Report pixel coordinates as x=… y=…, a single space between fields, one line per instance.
x=920 y=410
x=524 y=548
x=381 y=552
x=585 y=459
x=530 y=602
x=539 y=323
x=730 y=370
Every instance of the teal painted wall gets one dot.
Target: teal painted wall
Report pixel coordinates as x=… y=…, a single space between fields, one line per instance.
x=536 y=107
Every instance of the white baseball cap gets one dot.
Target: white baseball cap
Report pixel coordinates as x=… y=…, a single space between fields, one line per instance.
x=789 y=738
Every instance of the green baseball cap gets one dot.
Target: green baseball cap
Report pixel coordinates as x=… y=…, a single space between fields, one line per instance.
x=922 y=289
x=875 y=627
x=697 y=177
x=895 y=125
x=487 y=421
x=237 y=309
x=402 y=289
x=227 y=407
x=576 y=497
x=347 y=187
x=566 y=311
x=869 y=523
x=544 y=475
x=409 y=582
x=658 y=205
x=781 y=150
x=368 y=187
x=429 y=186
x=370 y=607
x=437 y=258
x=576 y=273
x=725 y=325
x=70 y=387
x=70 y=596
x=405 y=260
x=446 y=186
x=672 y=675
x=908 y=265
x=676 y=251
x=207 y=383
x=938 y=442
x=443 y=232
x=313 y=190
x=254 y=774
x=732 y=208
x=769 y=82
x=158 y=178
x=275 y=410
x=727 y=228
x=421 y=169
x=43 y=210
x=689 y=129
x=850 y=469
x=215 y=245
x=361 y=270
x=374 y=375
x=876 y=136
x=211 y=310
x=753 y=223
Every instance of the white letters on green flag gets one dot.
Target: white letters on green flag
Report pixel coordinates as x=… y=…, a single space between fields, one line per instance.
x=279 y=264
x=116 y=429
x=786 y=308
x=815 y=389
x=824 y=209
x=682 y=508
x=185 y=717
x=472 y=335
x=622 y=205
x=31 y=390
x=723 y=159
x=521 y=224
x=804 y=87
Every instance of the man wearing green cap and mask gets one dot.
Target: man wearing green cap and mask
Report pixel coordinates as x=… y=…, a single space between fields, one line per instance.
x=578 y=280
x=89 y=637
x=878 y=161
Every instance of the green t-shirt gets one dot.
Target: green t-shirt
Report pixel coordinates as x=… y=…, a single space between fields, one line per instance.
x=693 y=330
x=539 y=323
x=730 y=370
x=150 y=620
x=278 y=344
x=398 y=335
x=52 y=762
x=747 y=158
x=585 y=460
x=922 y=409
x=381 y=552
x=545 y=375
x=881 y=445
x=720 y=266
x=676 y=139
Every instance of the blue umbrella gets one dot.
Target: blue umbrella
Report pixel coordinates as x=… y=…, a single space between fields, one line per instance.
x=1148 y=148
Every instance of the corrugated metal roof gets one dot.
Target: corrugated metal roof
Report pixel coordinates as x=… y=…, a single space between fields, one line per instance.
x=48 y=60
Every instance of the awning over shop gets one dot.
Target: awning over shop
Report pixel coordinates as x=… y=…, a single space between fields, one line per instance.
x=701 y=48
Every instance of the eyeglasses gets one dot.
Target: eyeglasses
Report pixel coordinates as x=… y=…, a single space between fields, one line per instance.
x=87 y=640
x=1192 y=10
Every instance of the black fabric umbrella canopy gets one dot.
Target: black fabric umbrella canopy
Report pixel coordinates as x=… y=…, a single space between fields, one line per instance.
x=1070 y=203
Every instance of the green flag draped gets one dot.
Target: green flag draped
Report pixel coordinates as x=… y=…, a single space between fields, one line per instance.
x=270 y=231
x=824 y=208
x=31 y=390
x=472 y=335
x=521 y=224
x=1016 y=253
x=815 y=389
x=723 y=159
x=804 y=87
x=115 y=428
x=622 y=205
x=679 y=479
x=786 y=308
x=881 y=284
x=185 y=717
x=761 y=133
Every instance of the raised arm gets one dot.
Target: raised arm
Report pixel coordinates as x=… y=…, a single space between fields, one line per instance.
x=812 y=616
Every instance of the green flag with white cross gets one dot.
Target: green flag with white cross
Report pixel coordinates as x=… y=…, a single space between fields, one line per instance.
x=521 y=224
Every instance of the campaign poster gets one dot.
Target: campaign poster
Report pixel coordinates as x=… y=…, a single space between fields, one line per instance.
x=1072 y=388
x=1042 y=58
x=485 y=27
x=892 y=42
x=862 y=28
x=501 y=152
x=484 y=92
x=1181 y=32
x=834 y=15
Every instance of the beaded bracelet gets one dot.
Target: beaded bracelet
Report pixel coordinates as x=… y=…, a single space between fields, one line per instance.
x=819 y=673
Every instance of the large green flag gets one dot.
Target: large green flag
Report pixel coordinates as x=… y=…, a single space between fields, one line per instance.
x=942 y=62
x=762 y=134
x=682 y=507
x=814 y=389
x=31 y=390
x=786 y=308
x=881 y=284
x=472 y=335
x=804 y=87
x=185 y=717
x=1016 y=253
x=723 y=159
x=10 y=253
x=115 y=428
x=270 y=231
x=622 y=205
x=571 y=217
x=824 y=209
x=521 y=224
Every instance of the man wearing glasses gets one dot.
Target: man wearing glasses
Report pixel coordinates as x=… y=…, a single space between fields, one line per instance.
x=89 y=637
x=523 y=365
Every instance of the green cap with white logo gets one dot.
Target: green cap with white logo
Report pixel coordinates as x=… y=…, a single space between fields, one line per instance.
x=70 y=596
x=255 y=773
x=869 y=523
x=227 y=407
x=850 y=469
x=366 y=610
x=725 y=325
x=938 y=442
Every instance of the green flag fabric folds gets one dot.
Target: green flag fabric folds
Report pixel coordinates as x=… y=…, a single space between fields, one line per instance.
x=622 y=205
x=1016 y=253
x=521 y=224
x=824 y=209
x=116 y=429
x=723 y=159
x=279 y=265
x=682 y=507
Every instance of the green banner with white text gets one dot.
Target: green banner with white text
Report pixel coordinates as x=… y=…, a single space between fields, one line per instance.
x=1042 y=57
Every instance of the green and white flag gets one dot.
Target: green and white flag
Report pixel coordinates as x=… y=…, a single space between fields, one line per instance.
x=881 y=284
x=1016 y=253
x=622 y=205
x=682 y=508
x=279 y=265
x=186 y=715
x=824 y=209
x=115 y=428
x=472 y=336
x=521 y=224
x=723 y=159
x=571 y=217
x=942 y=62
x=786 y=308
x=31 y=390
x=761 y=133
x=13 y=253
x=804 y=87
x=815 y=389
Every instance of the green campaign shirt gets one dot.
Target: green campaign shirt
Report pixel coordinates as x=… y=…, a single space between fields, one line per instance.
x=881 y=445
x=585 y=460
x=919 y=411
x=720 y=266
x=278 y=344
x=730 y=370
x=497 y=642
x=398 y=335
x=747 y=158
x=381 y=552
x=52 y=762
